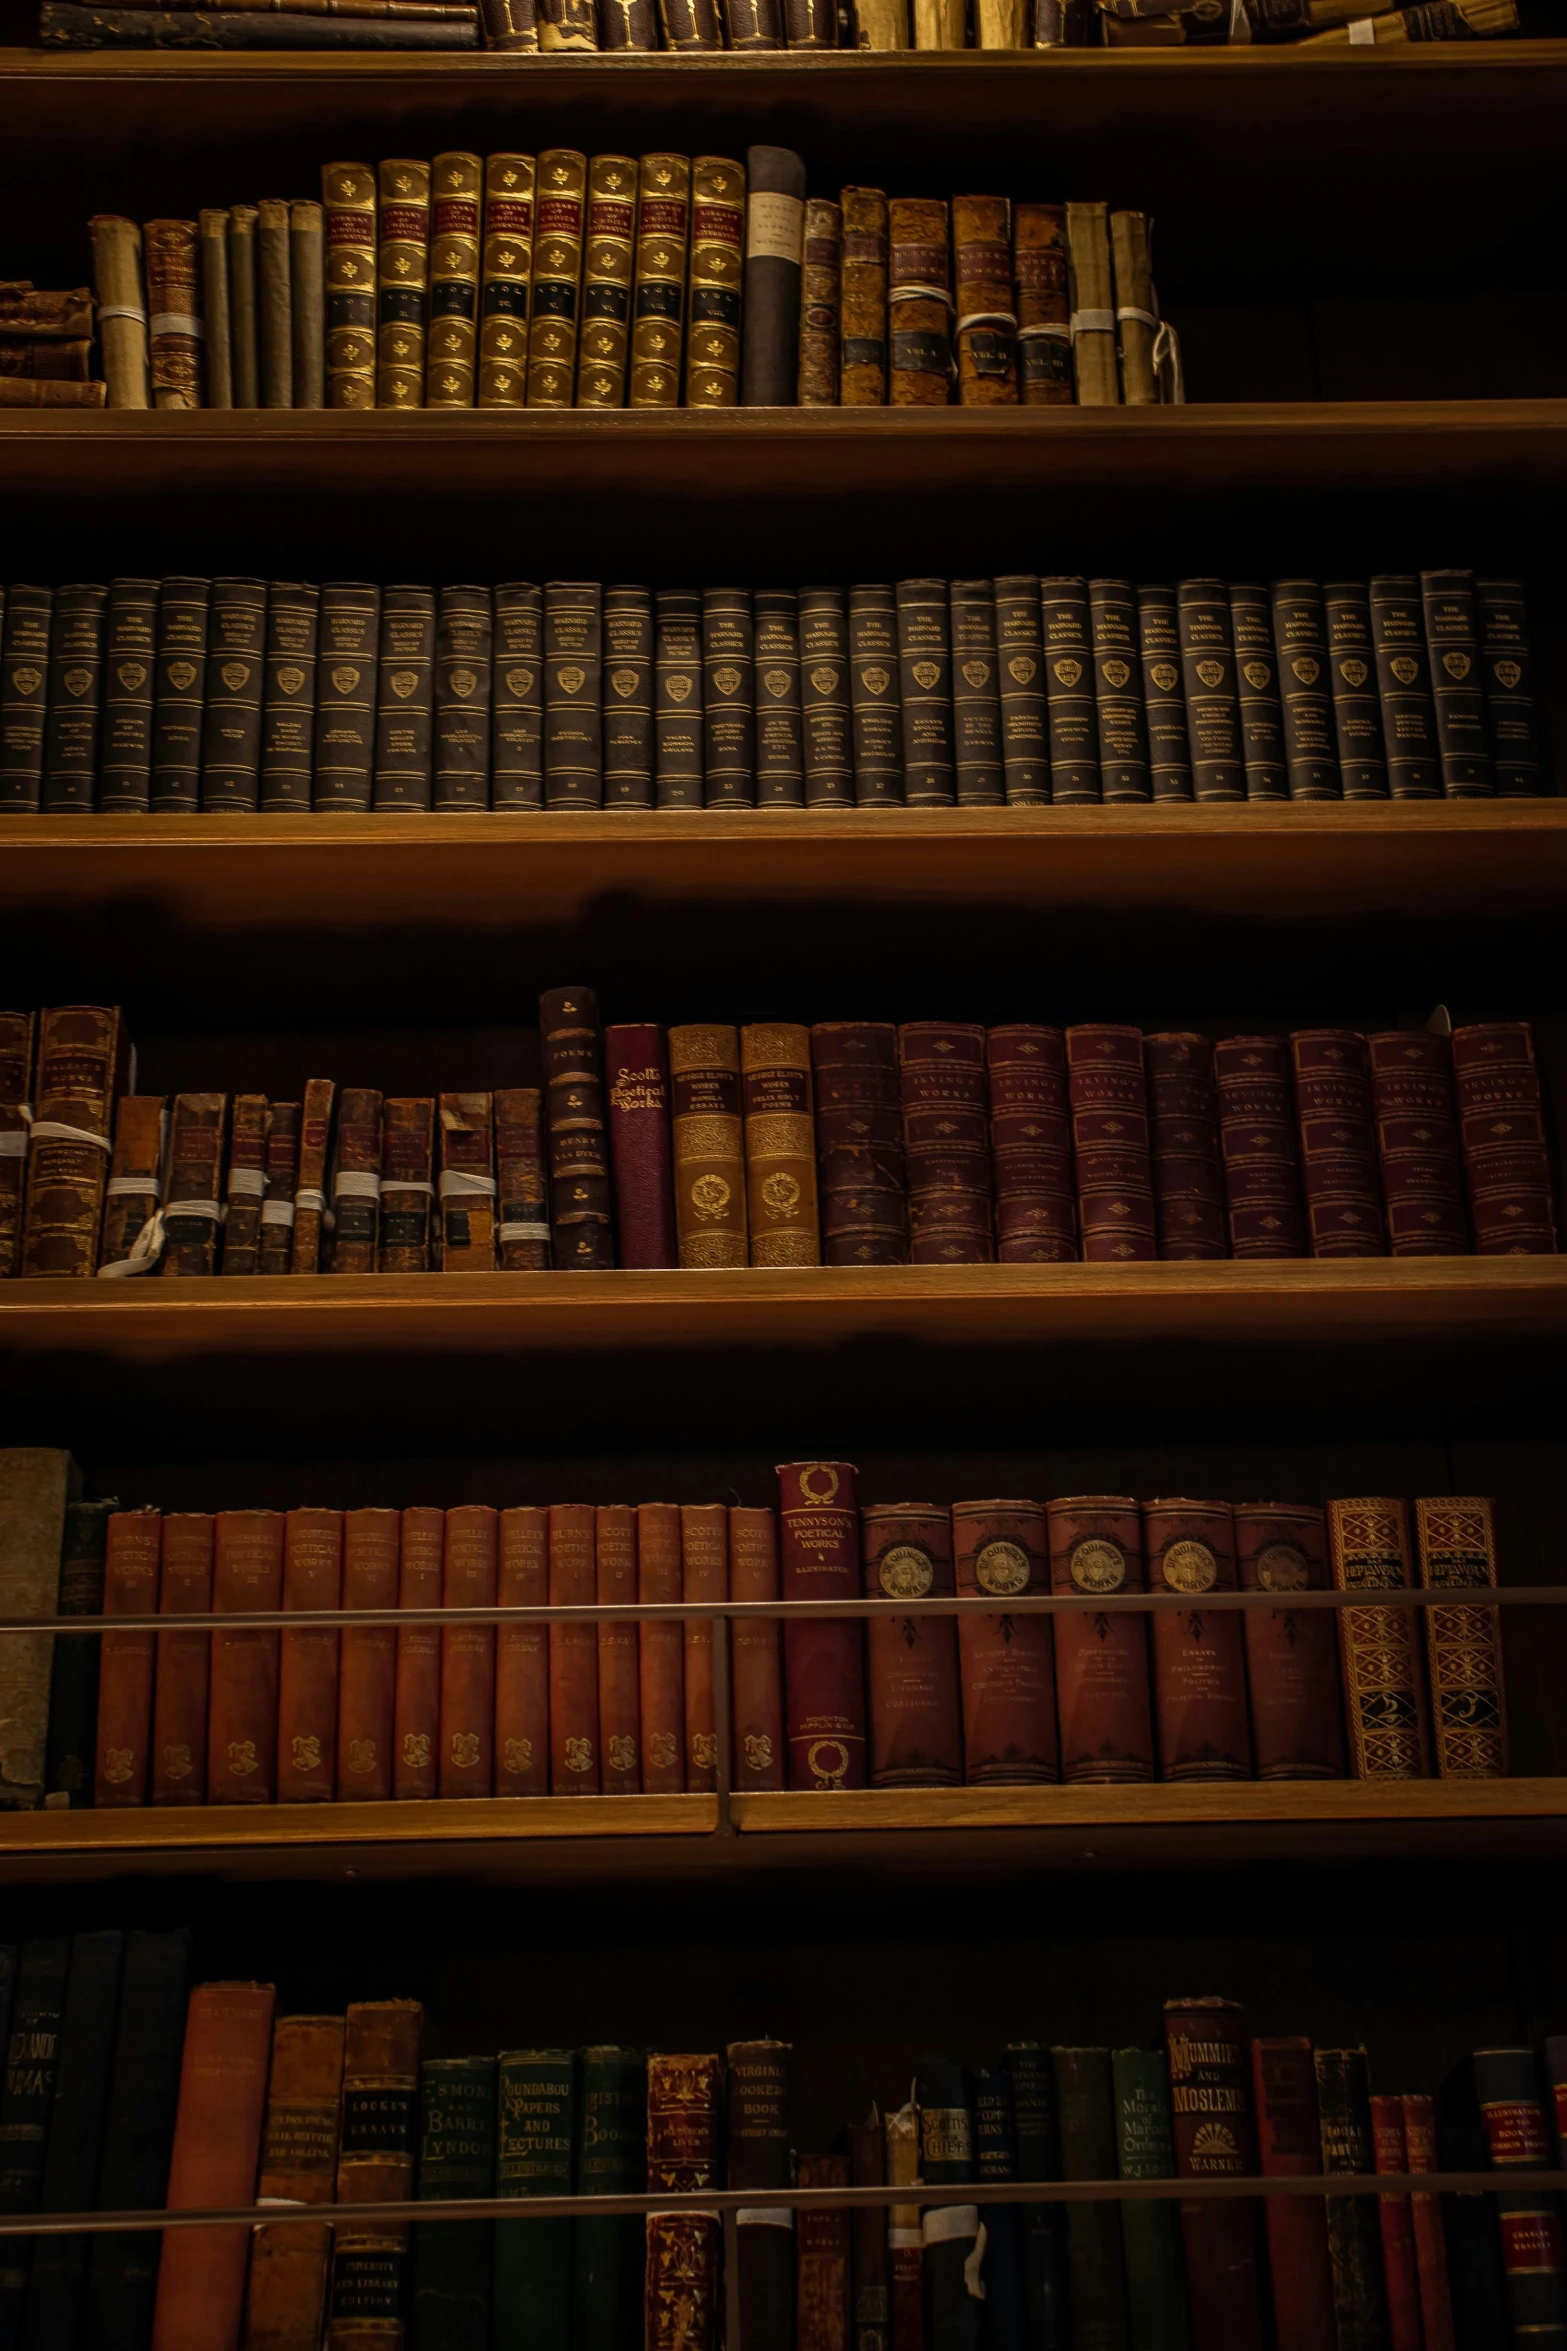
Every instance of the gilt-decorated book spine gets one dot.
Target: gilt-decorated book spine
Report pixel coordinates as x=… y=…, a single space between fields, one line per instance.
x=1379 y=1648
x=1150 y=2233
x=678 y=697
x=1208 y=674
x=660 y=1574
x=557 y=278
x=180 y=670
x=1257 y=691
x=1395 y=2224
x=1257 y=1137
x=1357 y=707
x=182 y=1678
x=404 y=711
x=1025 y=745
x=1118 y=691
x=760 y=2157
x=628 y=697
x=1506 y=1168
x=1164 y=696
x=636 y=1074
x=946 y=1136
x=286 y=2296
x=407 y=1184
x=780 y=1144
x=1292 y=1673
x=919 y=303
x=1199 y=1659
x=402 y=282
x=824 y=698
x=1069 y=686
x=468 y=1580
x=517 y=719
x=1457 y=683
x=728 y=699
x=16 y=1081
x=859 y=1143
x=1103 y=1686
x=416 y=1705
x=714 y=281
x=231 y=724
x=574 y=1718
x=609 y=2159
x=682 y=2286
x=348 y=199
x=129 y=657
x=822 y=2282
x=79 y=1054
x=620 y=1743
x=627 y=24
x=135 y=1184
x=174 y=328
x=976 y=696
x=1110 y=1142
x=467 y=1182
x=1188 y=1178
x=216 y=2152
x=310 y=1202
x=1305 y=685
x=464 y=664
x=70 y=1745
x=774 y=242
x=821 y=305
x=604 y=343
x=875 y=717
x=573 y=692
x=75 y=697
x=535 y=2126
x=985 y=331
x=122 y=1751
x=863 y=377
x=356 y=1181
x=1418 y=1147
x=824 y=1659
x=755 y=1649
x=1031 y=1146
x=346 y=694
x=659 y=284
x=581 y=1218
x=1455 y=1544
x=1354 y=2247
x=24 y=695
x=377 y=2152
x=915 y=1703
x=455 y=220
x=522 y=1657
x=780 y=742
x=704 y=1549
x=288 y=694
x=453 y=2265
x=710 y=1184
x=1507 y=665
x=1338 y=1143
x=1507 y=2091
x=1289 y=2141
x=1095 y=2259
x=505 y=277
x=367 y=1671
x=1414 y=767
x=192 y=1209
x=522 y=1228
x=242 y=1726
x=1210 y=2099
x=1044 y=309
x=1010 y=1737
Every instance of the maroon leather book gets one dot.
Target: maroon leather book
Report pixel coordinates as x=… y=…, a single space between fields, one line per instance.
x=911 y=1662
x=704 y=1552
x=636 y=1080
x=660 y=1576
x=1188 y=1179
x=1292 y=1674
x=247 y=1577
x=522 y=1229
x=1102 y=1683
x=367 y=1683
x=133 y=1549
x=416 y=1712
x=1506 y=1171
x=1031 y=1146
x=1110 y=1144
x=1418 y=1144
x=468 y=1580
x=1338 y=1147
x=1400 y=2273
x=308 y=1662
x=574 y=1697
x=859 y=1142
x=1008 y=1662
x=946 y=1140
x=1420 y=2153
x=522 y=1656
x=620 y=1740
x=756 y=1652
x=1210 y=2102
x=180 y=1687
x=824 y=1659
x=1199 y=1655
x=1284 y=2084
x=1262 y=1203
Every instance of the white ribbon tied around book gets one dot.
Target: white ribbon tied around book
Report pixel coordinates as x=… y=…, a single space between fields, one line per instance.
x=458 y=1184
x=13 y=1141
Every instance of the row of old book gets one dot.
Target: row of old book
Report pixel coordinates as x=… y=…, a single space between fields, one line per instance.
x=850 y=1143
x=240 y=694
x=132 y=2096
x=612 y=281
x=627 y=1708
x=46 y=339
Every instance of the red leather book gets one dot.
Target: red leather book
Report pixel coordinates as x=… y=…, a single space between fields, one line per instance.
x=466 y=1135
x=1262 y=1202
x=1436 y=2305
x=1501 y=1123
x=1292 y=1676
x=132 y=1553
x=416 y=1712
x=946 y=1142
x=911 y=1662
x=1110 y=1144
x=822 y=2297
x=636 y=1080
x=356 y=1181
x=522 y=1656
x=1399 y=2272
x=1418 y=1145
x=683 y=2100
x=367 y=1662
x=1103 y=1694
x=756 y=1652
x=660 y=1577
x=407 y=1199
x=1210 y=2102
x=247 y=1576
x=704 y=1549
x=1284 y=2084
x=1385 y=1713
x=1188 y=1179
x=214 y=2162
x=824 y=1660
x=468 y=1653
x=184 y=1668
x=307 y=1710
x=859 y=1142
x=574 y=1693
x=1199 y=1655
x=1031 y=1146
x=522 y=1221
x=620 y=1739
x=1338 y=1147
x=1007 y=1662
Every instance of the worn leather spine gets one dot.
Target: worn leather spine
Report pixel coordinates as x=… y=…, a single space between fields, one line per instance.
x=286 y=2295
x=1414 y=768
x=1506 y=1168
x=315 y=1130
x=1418 y=1148
x=288 y=695
x=456 y=209
x=1188 y=1183
x=859 y=1143
x=1102 y=1678
x=914 y=1712
x=1455 y=1544
x=1457 y=683
x=1357 y=707
x=1212 y=706
x=1198 y=1653
x=1010 y=1736
x=79 y=1056
x=506 y=258
x=463 y=679
x=863 y=378
x=728 y=699
x=522 y=1656
x=1257 y=1138
x=356 y=1181
x=274 y=304
x=120 y=287
x=375 y=2165
x=1337 y=1143
x=1164 y=695
x=75 y=690
x=604 y=344
x=1110 y=1140
x=580 y=1197
x=1069 y=686
x=985 y=329
x=346 y=693
x=976 y=696
x=925 y=681
x=946 y=1134
x=123 y=1738
x=307 y=274
x=173 y=305
x=824 y=1659
x=1395 y=2228
x=216 y=2152
x=467 y=1182
x=348 y=198
x=710 y=1184
x=620 y=1742
x=659 y=284
x=416 y=1705
x=242 y=1726
x=135 y=1185
x=1292 y=1674
x=557 y=277
x=212 y=224
x=1044 y=333
x=821 y=305
x=824 y=698
x=780 y=742
x=573 y=684
x=760 y=2156
x=1091 y=286
x=755 y=1651
x=16 y=1085
x=24 y=695
x=182 y=1676
x=661 y=1677
x=1031 y=1146
x=1284 y=2088
x=1210 y=2099
x=574 y=1719
x=780 y=1144
x=125 y=733
x=714 y=279
x=1420 y=2145
x=628 y=697
x=1354 y=2250
x=920 y=312
x=822 y=2278
x=468 y=1580
x=1257 y=691
x=367 y=1668
x=1507 y=668
x=704 y=1550
x=191 y=1206
x=407 y=1184
x=522 y=1231
x=683 y=2107
x=1379 y=1648
x=404 y=719
x=1118 y=694
x=774 y=241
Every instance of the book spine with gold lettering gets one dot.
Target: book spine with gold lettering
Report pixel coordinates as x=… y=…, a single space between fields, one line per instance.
x=455 y=207
x=505 y=276
x=348 y=199
x=780 y=1144
x=557 y=278
x=242 y=1721
x=604 y=345
x=919 y=304
x=985 y=334
x=288 y=2266
x=659 y=283
x=367 y=1674
x=309 y=1659
x=660 y=1573
x=710 y=1193
x=628 y=697
x=690 y=24
x=863 y=350
x=728 y=699
x=182 y=1675
x=714 y=282
x=407 y=1189
x=619 y=1661
x=567 y=24
x=375 y=2165
x=581 y=1216
x=402 y=282
x=1379 y=1648
x=24 y=673
x=174 y=312
x=574 y=1709
x=756 y=1652
x=627 y=24
x=356 y=1181
x=468 y=1580
x=522 y=1657
x=1044 y=308
x=1455 y=1543
x=416 y=1689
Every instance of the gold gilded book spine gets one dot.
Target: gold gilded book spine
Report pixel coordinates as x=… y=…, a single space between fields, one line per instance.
x=174 y=305
x=307 y=265
x=506 y=273
x=1456 y=1545
x=510 y=25
x=606 y=282
x=881 y=24
x=348 y=199
x=919 y=303
x=402 y=271
x=1093 y=305
x=213 y=227
x=1136 y=318
x=986 y=331
x=1044 y=309
x=717 y=245
x=704 y=1071
x=863 y=382
x=557 y=279
x=455 y=209
x=1384 y=1693
x=821 y=294
x=780 y=1144
x=659 y=290
x=627 y=24
x=567 y=24
x=122 y=309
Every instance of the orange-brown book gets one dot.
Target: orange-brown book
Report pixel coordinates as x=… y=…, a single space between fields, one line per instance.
x=468 y=1653
x=217 y=2148
x=375 y=2165
x=704 y=1546
x=756 y=1652
x=615 y=1535
x=247 y=1576
x=130 y=1588
x=662 y=1663
x=522 y=1657
x=574 y=1695
x=416 y=1733
x=367 y=1673
x=308 y=1660
x=288 y=2266
x=184 y=1669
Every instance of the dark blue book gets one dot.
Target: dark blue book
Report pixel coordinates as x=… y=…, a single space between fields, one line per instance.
x=952 y=2307
x=1039 y=2158
x=995 y=2158
x=138 y=2134
x=75 y=2141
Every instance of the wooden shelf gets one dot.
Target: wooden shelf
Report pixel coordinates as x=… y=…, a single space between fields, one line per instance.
x=1277 y=1804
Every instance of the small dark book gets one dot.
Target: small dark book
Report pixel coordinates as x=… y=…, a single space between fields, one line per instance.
x=26 y=2101
x=1354 y=2237
x=349 y=638
x=1069 y=684
x=129 y=667
x=1118 y=691
x=728 y=699
x=976 y=696
x=1507 y=663
x=780 y=741
x=179 y=693
x=677 y=699
x=75 y=2135
x=1357 y=707
x=581 y=1216
x=231 y=725
x=611 y=2160
x=758 y=2141
x=1300 y=639
x=628 y=698
x=873 y=696
x=1096 y=2265
x=464 y=652
x=1044 y=2225
x=517 y=717
x=535 y=2127
x=1257 y=691
x=1508 y=2094
x=1208 y=675
x=925 y=680
x=1150 y=2233
x=75 y=697
x=1020 y=651
x=288 y=694
x=453 y=2263
x=1164 y=698
x=573 y=687
x=404 y=710
x=1474 y=2252
x=1457 y=683
x=73 y=1672
x=952 y=2314
x=1398 y=635
x=995 y=2158
x=824 y=699
x=24 y=695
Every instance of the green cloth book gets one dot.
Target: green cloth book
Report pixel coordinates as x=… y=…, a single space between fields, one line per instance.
x=1150 y=2233
x=453 y=2260
x=535 y=2126
x=611 y=2160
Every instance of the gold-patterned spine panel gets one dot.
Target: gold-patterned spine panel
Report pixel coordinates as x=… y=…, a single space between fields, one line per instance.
x=780 y=1144
x=717 y=248
x=1383 y=1685
x=606 y=282
x=455 y=214
x=348 y=200
x=505 y=277
x=174 y=312
x=1456 y=1543
x=402 y=283
x=557 y=278
x=659 y=285
x=704 y=1070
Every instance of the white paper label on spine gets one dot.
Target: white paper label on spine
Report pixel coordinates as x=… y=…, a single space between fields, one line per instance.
x=1363 y=33
x=774 y=227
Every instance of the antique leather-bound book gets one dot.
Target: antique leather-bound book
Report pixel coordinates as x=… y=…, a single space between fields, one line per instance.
x=129 y=654
x=573 y=676
x=628 y=697
x=636 y=1075
x=1031 y=1145
x=1091 y=287
x=1354 y=2248
x=122 y=1748
x=946 y=1136
x=905 y=2236
x=1257 y=1137
x=183 y=1672
x=1103 y=1689
x=760 y=2156
x=985 y=333
x=1507 y=2093
x=859 y=1142
x=682 y=2246
x=468 y=1580
x=1292 y=1673
x=1110 y=1142
x=976 y=696
x=517 y=716
x=1418 y=1148
x=35 y=1998
x=307 y=1705
x=75 y=697
x=1284 y=2087
x=135 y=1184
x=346 y=693
x=315 y=1127
x=275 y=1237
x=1007 y=1662
x=824 y=1658
x=1400 y=2274
x=407 y=1190
x=367 y=1667
x=1044 y=333
x=714 y=277
x=24 y=688
x=821 y=305
x=70 y=1744
x=875 y=717
x=659 y=286
x=728 y=699
x=662 y=1709
x=120 y=287
x=348 y=198
x=609 y=2159
x=522 y=1657
x=244 y=320
x=1069 y=685
x=627 y=24
x=464 y=646
x=755 y=1653
x=79 y=1056
x=1257 y=692
x=557 y=277
x=1096 y=2265
x=231 y=723
x=173 y=303
x=1208 y=673
x=863 y=380
x=506 y=266
x=1457 y=683
x=274 y=303
x=780 y=743
x=133 y=2171
x=678 y=698
x=1455 y=1545
x=1338 y=1143
x=604 y=344
x=1420 y=2151
x=402 y=282
x=1214 y=2134
x=456 y=198
x=16 y=1080
x=1188 y=1180
x=214 y=2162
x=191 y=1209
x=307 y=268
x=1164 y=696
x=467 y=1183
x=377 y=2147
x=288 y=2266
x=704 y=1548
x=1506 y=1170
x=824 y=698
x=573 y=1582
x=1414 y=767
x=915 y=1705
x=1136 y=307
x=710 y=1192
x=522 y=1229
x=404 y=719
x=1357 y=707
x=822 y=2288
x=919 y=303
x=925 y=692
x=242 y=1729
x=1118 y=691
x=619 y=1667
x=1199 y=1667
x=1025 y=749
x=780 y=1144
x=1507 y=667
x=416 y=1706
x=1384 y=1686
x=453 y=2265
x=356 y=1181
x=288 y=694
x=1300 y=638
x=774 y=241
x=996 y=2158
x=1150 y=2233
x=580 y=1196
x=950 y=2232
